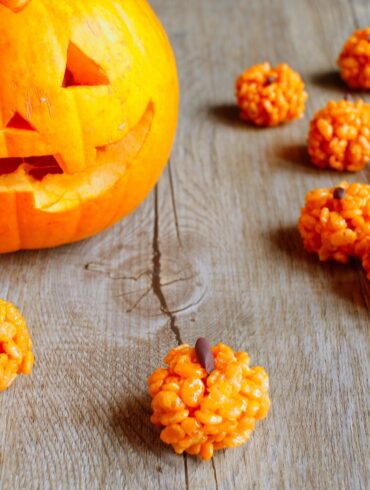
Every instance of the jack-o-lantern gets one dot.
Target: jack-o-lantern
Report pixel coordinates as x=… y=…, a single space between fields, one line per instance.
x=88 y=113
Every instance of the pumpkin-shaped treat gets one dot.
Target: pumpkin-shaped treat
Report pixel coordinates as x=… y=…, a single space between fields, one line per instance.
x=88 y=112
x=354 y=60
x=207 y=398
x=268 y=96
x=339 y=136
x=16 y=355
x=335 y=223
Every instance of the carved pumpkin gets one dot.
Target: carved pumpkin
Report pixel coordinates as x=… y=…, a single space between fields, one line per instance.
x=88 y=112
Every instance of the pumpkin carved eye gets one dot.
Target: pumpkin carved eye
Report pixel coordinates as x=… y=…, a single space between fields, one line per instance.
x=19 y=122
x=15 y=5
x=82 y=70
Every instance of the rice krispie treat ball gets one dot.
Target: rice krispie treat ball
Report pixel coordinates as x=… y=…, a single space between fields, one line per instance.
x=207 y=398
x=16 y=355
x=270 y=96
x=354 y=61
x=339 y=136
x=335 y=223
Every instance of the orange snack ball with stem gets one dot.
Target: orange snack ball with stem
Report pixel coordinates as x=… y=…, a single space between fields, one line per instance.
x=339 y=136
x=203 y=409
x=354 y=60
x=16 y=355
x=335 y=223
x=270 y=96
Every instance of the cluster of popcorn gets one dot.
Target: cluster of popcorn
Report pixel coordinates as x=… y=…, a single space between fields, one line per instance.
x=339 y=136
x=16 y=355
x=202 y=407
x=270 y=96
x=354 y=60
x=335 y=223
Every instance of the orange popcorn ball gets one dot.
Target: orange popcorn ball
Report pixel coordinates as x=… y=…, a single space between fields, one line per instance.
x=16 y=355
x=207 y=398
x=335 y=223
x=270 y=96
x=354 y=61
x=339 y=136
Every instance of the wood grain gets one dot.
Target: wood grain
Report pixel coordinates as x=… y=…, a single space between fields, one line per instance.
x=213 y=252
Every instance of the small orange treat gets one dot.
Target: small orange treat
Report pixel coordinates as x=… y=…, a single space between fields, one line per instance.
x=270 y=96
x=354 y=61
x=335 y=223
x=16 y=355
x=207 y=398
x=339 y=136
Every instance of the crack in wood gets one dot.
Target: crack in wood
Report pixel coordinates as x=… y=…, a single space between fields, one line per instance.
x=136 y=304
x=157 y=290
x=186 y=471
x=214 y=473
x=180 y=279
x=101 y=269
x=173 y=199
x=156 y=276
x=187 y=307
x=149 y=289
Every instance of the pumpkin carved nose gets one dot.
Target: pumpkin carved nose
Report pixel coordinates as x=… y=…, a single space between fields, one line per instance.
x=14 y=5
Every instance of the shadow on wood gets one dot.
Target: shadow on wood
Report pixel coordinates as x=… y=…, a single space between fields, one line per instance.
x=297 y=158
x=130 y=422
x=296 y=153
x=329 y=80
x=342 y=278
x=229 y=115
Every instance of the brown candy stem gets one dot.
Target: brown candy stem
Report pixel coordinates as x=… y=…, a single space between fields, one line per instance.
x=339 y=193
x=271 y=79
x=204 y=354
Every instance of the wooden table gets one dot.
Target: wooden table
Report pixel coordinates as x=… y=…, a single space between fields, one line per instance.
x=213 y=251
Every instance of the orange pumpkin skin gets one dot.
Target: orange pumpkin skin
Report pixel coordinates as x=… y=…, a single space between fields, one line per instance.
x=88 y=113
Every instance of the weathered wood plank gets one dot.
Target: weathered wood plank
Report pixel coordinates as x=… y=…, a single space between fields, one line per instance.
x=213 y=252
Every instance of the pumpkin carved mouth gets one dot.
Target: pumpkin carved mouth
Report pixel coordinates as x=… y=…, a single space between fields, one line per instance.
x=44 y=176
x=36 y=167
x=39 y=167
